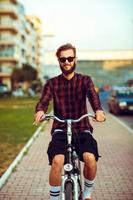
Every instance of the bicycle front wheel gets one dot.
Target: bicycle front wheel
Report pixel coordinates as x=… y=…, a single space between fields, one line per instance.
x=69 y=191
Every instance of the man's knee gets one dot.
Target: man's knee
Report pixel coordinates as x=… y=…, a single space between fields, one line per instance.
x=89 y=158
x=58 y=161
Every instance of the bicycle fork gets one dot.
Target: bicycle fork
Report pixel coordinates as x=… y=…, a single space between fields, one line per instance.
x=74 y=180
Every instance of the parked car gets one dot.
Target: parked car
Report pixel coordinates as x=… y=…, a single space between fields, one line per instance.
x=4 y=90
x=120 y=100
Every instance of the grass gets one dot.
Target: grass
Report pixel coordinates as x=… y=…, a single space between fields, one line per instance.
x=16 y=118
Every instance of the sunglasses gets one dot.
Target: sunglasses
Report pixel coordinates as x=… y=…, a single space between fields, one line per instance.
x=69 y=59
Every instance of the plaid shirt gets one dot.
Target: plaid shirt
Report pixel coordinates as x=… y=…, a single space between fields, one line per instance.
x=69 y=100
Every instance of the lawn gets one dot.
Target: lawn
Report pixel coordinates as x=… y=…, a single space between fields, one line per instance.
x=16 y=118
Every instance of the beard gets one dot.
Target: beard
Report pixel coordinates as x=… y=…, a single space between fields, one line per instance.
x=66 y=72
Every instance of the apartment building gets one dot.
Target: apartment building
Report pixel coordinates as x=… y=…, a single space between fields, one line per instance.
x=37 y=44
x=19 y=39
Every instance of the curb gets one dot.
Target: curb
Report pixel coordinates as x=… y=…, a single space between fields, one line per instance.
x=10 y=169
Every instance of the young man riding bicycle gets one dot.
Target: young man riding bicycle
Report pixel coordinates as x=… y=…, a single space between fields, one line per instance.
x=69 y=92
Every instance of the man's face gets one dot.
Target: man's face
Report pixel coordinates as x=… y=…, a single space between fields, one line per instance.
x=67 y=61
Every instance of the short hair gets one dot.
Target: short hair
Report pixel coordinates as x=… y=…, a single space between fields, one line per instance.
x=65 y=47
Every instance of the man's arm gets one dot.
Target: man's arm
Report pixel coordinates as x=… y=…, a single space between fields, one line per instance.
x=43 y=103
x=95 y=102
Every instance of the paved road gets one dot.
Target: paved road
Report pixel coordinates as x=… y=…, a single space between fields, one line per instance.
x=115 y=172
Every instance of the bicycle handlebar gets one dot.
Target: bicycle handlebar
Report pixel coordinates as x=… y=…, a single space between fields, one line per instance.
x=48 y=117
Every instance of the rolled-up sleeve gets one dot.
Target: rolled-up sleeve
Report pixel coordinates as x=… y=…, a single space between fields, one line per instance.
x=45 y=97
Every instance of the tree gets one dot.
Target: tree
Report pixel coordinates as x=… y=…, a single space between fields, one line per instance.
x=24 y=75
x=17 y=75
x=29 y=73
x=16 y=78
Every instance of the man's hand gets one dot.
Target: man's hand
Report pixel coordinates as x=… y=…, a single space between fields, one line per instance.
x=99 y=116
x=38 y=117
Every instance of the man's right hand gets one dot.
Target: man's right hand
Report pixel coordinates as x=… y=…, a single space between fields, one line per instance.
x=37 y=117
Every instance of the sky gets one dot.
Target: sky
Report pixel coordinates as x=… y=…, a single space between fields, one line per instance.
x=87 y=24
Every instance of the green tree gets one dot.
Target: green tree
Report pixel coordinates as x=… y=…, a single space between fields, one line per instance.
x=16 y=78
x=24 y=75
x=29 y=73
x=17 y=75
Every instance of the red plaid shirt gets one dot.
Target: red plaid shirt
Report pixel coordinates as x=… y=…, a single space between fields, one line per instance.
x=69 y=99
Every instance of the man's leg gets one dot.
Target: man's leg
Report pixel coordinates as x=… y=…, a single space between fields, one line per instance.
x=55 y=176
x=90 y=168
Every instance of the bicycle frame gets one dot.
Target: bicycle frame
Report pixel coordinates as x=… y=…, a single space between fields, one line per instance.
x=72 y=172
x=69 y=174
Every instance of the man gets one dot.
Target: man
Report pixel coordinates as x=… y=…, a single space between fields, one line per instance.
x=69 y=91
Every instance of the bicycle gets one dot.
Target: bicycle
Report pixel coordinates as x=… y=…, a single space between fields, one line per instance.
x=71 y=182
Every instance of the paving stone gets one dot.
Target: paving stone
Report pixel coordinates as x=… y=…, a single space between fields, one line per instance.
x=114 y=178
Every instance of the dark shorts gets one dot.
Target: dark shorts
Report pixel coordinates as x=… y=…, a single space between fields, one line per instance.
x=83 y=142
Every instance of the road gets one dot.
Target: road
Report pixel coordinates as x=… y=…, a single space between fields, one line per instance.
x=126 y=119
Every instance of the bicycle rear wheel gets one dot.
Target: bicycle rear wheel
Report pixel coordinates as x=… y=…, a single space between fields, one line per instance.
x=69 y=191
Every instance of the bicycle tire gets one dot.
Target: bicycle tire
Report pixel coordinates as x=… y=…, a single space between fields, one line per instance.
x=69 y=191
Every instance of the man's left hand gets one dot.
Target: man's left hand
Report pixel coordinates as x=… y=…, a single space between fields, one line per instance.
x=100 y=116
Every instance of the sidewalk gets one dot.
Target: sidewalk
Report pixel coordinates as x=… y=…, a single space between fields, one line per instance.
x=115 y=169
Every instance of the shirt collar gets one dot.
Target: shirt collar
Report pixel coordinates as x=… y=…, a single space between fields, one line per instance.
x=72 y=79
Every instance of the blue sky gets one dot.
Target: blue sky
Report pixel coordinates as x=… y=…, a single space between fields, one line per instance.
x=88 y=24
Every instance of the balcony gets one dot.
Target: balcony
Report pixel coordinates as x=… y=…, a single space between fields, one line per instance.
x=7 y=42
x=9 y=10
x=5 y=75
x=8 y=55
x=9 y=59
x=8 y=39
x=12 y=29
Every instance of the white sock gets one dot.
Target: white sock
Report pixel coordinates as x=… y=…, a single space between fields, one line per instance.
x=54 y=192
x=88 y=185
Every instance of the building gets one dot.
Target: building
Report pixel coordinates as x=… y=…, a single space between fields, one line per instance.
x=106 y=67
x=20 y=38
x=12 y=20
x=108 y=59
x=111 y=67
x=36 y=44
